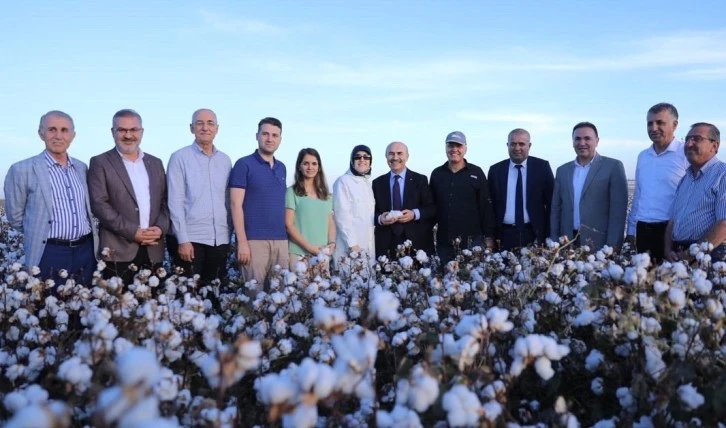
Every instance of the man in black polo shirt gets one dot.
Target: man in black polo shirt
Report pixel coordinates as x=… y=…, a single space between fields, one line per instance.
x=461 y=195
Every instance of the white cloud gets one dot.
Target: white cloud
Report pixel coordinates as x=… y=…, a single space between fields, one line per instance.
x=238 y=25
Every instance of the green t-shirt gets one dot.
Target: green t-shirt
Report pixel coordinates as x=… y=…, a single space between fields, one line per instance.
x=311 y=219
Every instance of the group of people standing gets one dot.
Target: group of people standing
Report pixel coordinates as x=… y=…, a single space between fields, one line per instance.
x=125 y=209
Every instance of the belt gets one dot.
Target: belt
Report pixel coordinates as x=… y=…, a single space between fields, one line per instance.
x=657 y=224
x=69 y=242
x=514 y=226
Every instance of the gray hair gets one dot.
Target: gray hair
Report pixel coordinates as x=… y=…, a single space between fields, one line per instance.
x=518 y=131
x=670 y=108
x=55 y=113
x=713 y=132
x=194 y=115
x=127 y=112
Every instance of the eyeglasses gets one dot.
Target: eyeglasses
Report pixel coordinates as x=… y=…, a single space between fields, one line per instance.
x=361 y=157
x=125 y=130
x=697 y=139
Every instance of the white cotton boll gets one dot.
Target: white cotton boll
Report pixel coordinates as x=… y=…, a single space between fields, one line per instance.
x=585 y=318
x=399 y=338
x=690 y=397
x=555 y=351
x=552 y=297
x=421 y=256
x=703 y=286
x=275 y=389
x=654 y=364
x=462 y=406
x=406 y=262
x=560 y=405
x=76 y=373
x=543 y=367
x=423 y=391
x=34 y=416
x=303 y=416
x=285 y=346
x=644 y=422
x=615 y=271
x=384 y=305
x=15 y=401
x=138 y=366
x=597 y=386
x=467 y=348
x=474 y=325
x=430 y=315
x=714 y=308
x=593 y=360
x=498 y=320
x=399 y=417
x=535 y=345
x=300 y=331
x=626 y=399
x=492 y=410
x=517 y=367
x=677 y=297
x=328 y=318
x=143 y=411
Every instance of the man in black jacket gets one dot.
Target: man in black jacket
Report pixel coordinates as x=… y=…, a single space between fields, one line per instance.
x=461 y=195
x=404 y=207
x=521 y=192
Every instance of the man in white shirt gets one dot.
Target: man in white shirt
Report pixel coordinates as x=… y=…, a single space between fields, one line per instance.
x=659 y=169
x=591 y=194
x=128 y=196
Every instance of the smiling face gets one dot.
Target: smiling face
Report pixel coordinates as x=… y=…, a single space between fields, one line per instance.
x=397 y=156
x=661 y=128
x=700 y=146
x=361 y=162
x=584 y=141
x=127 y=134
x=309 y=167
x=268 y=138
x=57 y=133
x=518 y=146
x=455 y=152
x=204 y=127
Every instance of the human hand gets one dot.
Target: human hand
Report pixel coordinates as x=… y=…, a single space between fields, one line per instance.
x=186 y=251
x=243 y=252
x=386 y=219
x=407 y=216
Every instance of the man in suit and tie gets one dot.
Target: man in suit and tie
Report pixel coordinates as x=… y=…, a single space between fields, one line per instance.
x=406 y=192
x=591 y=194
x=129 y=198
x=521 y=192
x=46 y=198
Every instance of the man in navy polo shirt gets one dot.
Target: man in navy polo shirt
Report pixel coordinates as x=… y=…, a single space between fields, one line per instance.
x=257 y=201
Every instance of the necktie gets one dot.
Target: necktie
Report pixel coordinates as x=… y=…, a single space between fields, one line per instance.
x=397 y=205
x=396 y=193
x=519 y=199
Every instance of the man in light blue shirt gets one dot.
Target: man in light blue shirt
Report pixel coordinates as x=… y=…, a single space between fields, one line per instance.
x=199 y=203
x=698 y=213
x=659 y=169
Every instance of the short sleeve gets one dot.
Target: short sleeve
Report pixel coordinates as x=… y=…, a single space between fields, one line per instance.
x=290 y=201
x=239 y=174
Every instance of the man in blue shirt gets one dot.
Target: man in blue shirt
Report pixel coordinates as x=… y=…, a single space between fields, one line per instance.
x=197 y=177
x=698 y=213
x=257 y=201
x=46 y=198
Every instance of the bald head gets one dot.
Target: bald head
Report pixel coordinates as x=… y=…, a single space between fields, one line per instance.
x=397 y=156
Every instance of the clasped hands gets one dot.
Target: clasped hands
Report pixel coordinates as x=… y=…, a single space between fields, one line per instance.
x=406 y=217
x=148 y=236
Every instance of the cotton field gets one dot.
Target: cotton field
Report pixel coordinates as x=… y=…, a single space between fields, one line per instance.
x=555 y=336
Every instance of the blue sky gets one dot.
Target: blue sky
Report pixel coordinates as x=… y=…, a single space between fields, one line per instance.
x=343 y=73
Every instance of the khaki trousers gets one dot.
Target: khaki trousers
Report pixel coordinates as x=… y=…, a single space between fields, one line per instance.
x=264 y=255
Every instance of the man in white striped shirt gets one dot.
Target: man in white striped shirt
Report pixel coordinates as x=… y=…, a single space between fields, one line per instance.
x=659 y=169
x=46 y=198
x=698 y=213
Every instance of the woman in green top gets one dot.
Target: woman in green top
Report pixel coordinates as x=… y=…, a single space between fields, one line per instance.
x=309 y=213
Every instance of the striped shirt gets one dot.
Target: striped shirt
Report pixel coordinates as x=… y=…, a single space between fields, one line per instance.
x=700 y=201
x=70 y=219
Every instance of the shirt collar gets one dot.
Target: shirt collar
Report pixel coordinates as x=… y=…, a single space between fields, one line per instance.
x=256 y=155
x=53 y=162
x=199 y=148
x=512 y=165
x=672 y=146
x=704 y=169
x=402 y=174
x=141 y=156
x=587 y=164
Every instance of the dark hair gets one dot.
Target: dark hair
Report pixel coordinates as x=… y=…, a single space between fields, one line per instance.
x=670 y=108
x=585 y=125
x=713 y=132
x=356 y=149
x=319 y=182
x=269 y=121
x=127 y=112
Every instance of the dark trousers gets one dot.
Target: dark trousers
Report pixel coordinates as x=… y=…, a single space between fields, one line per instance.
x=650 y=237
x=516 y=237
x=448 y=253
x=123 y=271
x=79 y=261
x=210 y=262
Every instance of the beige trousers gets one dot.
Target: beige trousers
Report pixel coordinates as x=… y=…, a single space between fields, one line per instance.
x=264 y=255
